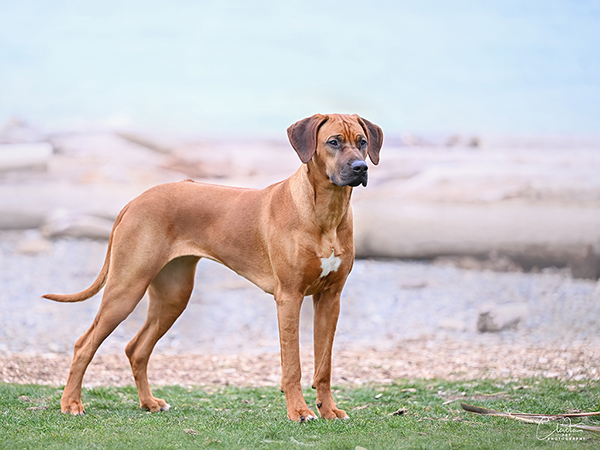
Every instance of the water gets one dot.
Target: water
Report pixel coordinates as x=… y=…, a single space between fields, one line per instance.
x=231 y=67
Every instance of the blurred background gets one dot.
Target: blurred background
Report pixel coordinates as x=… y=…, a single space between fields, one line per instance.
x=255 y=67
x=482 y=220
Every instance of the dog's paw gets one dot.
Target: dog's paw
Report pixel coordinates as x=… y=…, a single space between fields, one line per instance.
x=155 y=405
x=167 y=407
x=332 y=413
x=74 y=407
x=308 y=418
x=302 y=416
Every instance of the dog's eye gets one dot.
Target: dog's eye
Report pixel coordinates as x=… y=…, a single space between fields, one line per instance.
x=363 y=142
x=333 y=142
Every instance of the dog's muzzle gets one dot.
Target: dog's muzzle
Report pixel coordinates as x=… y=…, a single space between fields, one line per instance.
x=354 y=174
x=359 y=174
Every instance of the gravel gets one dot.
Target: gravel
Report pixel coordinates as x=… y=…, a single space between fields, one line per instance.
x=392 y=311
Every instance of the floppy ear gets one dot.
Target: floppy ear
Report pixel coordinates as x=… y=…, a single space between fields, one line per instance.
x=303 y=136
x=374 y=137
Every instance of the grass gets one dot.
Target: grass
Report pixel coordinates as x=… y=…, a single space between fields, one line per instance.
x=236 y=418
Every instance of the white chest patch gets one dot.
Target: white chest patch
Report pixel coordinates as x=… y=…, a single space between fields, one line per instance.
x=330 y=264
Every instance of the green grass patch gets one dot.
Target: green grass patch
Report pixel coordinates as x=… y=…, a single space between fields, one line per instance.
x=236 y=418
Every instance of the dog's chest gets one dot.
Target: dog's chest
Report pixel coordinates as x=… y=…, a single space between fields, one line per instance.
x=331 y=271
x=330 y=264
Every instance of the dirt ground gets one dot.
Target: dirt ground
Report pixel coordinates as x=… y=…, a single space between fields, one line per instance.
x=451 y=360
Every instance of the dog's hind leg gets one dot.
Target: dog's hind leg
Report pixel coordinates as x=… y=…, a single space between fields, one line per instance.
x=118 y=301
x=169 y=294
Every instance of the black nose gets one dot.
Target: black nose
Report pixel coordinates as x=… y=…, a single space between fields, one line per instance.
x=359 y=167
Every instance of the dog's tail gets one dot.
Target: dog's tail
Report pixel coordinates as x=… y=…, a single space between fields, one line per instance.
x=100 y=281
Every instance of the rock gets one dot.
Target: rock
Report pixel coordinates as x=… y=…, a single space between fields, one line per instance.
x=493 y=317
x=587 y=263
x=65 y=223
x=30 y=156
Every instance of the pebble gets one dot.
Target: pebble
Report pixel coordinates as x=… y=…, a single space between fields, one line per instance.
x=381 y=307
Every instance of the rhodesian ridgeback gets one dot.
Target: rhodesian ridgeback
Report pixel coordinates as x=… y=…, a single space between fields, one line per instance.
x=291 y=239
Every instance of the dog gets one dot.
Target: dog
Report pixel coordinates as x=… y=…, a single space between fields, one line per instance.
x=292 y=239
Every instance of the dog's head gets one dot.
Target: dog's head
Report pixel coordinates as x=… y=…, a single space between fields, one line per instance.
x=340 y=144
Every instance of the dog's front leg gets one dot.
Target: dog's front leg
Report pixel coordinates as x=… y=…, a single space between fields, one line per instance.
x=326 y=313
x=288 y=317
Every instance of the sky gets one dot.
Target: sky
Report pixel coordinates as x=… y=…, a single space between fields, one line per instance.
x=252 y=68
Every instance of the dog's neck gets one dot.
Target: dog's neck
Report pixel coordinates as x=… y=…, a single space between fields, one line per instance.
x=329 y=202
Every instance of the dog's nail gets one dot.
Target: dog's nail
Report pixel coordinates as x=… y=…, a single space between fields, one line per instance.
x=301 y=418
